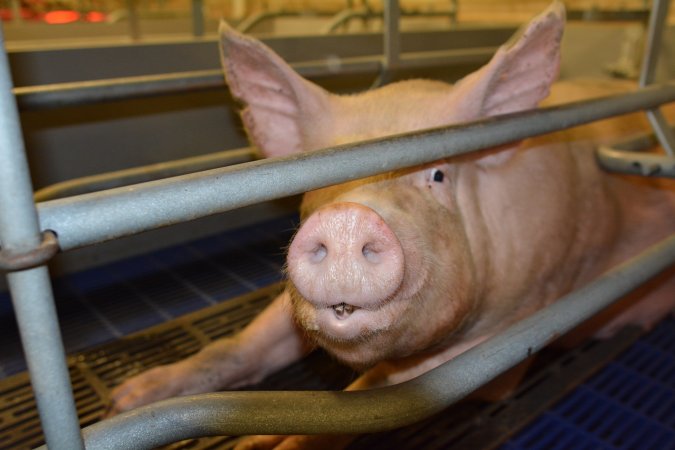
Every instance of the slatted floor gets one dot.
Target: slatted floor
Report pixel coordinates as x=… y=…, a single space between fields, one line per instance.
x=629 y=404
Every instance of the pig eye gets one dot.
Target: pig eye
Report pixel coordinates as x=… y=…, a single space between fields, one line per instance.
x=438 y=176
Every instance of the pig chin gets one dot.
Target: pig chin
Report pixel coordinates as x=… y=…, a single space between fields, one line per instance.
x=365 y=336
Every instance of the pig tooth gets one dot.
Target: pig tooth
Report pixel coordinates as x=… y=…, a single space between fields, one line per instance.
x=343 y=310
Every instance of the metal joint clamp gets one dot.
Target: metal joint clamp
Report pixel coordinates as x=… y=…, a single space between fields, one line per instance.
x=13 y=262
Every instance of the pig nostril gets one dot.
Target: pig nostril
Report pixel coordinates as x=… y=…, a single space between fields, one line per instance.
x=318 y=253
x=370 y=254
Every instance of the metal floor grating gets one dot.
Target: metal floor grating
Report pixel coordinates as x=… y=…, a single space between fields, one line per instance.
x=629 y=404
x=467 y=425
x=105 y=303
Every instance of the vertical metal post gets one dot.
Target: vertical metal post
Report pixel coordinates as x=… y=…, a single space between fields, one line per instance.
x=392 y=42
x=454 y=11
x=197 y=18
x=134 y=20
x=392 y=35
x=31 y=289
x=657 y=21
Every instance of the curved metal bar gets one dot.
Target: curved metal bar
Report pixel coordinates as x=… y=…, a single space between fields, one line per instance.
x=657 y=21
x=40 y=255
x=345 y=16
x=247 y=24
x=97 y=217
x=236 y=413
x=634 y=163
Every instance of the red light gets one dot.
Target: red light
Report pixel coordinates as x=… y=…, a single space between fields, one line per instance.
x=95 y=16
x=58 y=17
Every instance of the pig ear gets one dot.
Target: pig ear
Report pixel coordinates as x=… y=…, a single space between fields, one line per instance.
x=277 y=100
x=519 y=75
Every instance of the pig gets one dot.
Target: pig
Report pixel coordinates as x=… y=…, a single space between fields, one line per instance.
x=397 y=273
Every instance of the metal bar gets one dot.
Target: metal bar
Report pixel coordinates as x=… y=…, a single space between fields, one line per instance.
x=97 y=217
x=657 y=21
x=392 y=35
x=198 y=18
x=88 y=92
x=635 y=163
x=141 y=174
x=248 y=24
x=82 y=93
x=134 y=20
x=368 y=411
x=345 y=16
x=662 y=130
x=31 y=289
x=38 y=256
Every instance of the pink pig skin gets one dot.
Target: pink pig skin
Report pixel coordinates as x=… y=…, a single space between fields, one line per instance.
x=398 y=273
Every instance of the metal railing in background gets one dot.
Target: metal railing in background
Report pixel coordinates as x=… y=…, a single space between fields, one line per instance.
x=59 y=95
x=89 y=218
x=618 y=159
x=344 y=17
x=657 y=22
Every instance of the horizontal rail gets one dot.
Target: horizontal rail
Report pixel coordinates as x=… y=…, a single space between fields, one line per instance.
x=97 y=217
x=309 y=412
x=60 y=95
x=145 y=173
x=344 y=17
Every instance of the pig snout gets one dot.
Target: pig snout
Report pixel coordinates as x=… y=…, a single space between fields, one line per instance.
x=345 y=261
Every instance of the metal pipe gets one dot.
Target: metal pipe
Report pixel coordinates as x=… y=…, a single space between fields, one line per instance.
x=657 y=21
x=248 y=24
x=134 y=20
x=636 y=163
x=392 y=33
x=662 y=131
x=141 y=174
x=368 y=411
x=345 y=16
x=392 y=42
x=31 y=289
x=198 y=18
x=91 y=218
x=59 y=95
